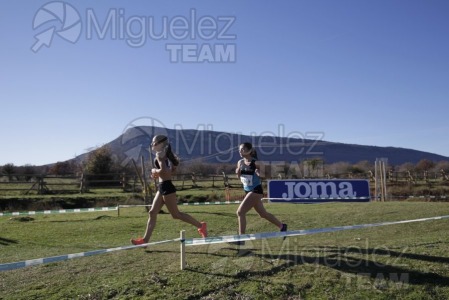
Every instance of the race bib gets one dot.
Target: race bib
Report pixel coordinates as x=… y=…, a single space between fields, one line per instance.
x=247 y=180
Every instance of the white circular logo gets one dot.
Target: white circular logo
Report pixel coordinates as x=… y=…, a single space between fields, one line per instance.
x=64 y=20
x=137 y=136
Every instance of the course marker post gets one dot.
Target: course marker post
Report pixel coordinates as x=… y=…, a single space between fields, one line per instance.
x=183 y=249
x=380 y=181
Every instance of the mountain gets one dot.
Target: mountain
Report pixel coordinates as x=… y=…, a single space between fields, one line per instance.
x=222 y=147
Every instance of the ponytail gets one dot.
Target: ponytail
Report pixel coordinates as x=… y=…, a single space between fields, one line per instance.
x=254 y=153
x=174 y=159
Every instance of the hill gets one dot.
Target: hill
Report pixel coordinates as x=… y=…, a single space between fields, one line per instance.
x=221 y=147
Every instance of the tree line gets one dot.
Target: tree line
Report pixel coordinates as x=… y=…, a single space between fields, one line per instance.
x=101 y=161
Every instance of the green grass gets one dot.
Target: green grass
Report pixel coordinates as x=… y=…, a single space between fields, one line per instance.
x=407 y=261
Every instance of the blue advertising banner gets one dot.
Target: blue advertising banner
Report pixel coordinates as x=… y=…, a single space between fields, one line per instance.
x=318 y=190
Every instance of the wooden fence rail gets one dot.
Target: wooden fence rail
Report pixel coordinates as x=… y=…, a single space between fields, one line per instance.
x=81 y=183
x=54 y=184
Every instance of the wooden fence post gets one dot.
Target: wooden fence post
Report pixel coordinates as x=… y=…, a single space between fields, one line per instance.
x=40 y=185
x=124 y=182
x=145 y=184
x=82 y=183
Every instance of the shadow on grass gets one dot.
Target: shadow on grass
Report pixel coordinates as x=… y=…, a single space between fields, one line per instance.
x=390 y=253
x=231 y=215
x=346 y=260
x=102 y=217
x=6 y=242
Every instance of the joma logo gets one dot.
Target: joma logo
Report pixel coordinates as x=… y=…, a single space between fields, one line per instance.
x=344 y=189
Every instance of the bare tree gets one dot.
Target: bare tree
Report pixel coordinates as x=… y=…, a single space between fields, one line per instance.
x=8 y=170
x=424 y=165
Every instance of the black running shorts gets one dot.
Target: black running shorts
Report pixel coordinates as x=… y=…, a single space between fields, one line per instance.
x=256 y=190
x=166 y=187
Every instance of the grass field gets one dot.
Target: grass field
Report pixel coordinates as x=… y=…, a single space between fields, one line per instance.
x=405 y=261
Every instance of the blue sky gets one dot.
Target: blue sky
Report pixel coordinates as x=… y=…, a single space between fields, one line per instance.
x=359 y=72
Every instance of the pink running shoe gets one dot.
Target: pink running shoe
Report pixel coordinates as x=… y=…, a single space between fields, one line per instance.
x=138 y=241
x=203 y=230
